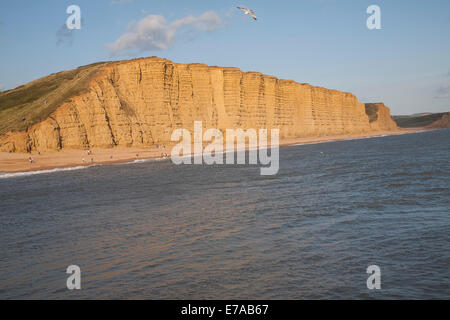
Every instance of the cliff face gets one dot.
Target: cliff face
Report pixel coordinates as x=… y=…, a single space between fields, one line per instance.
x=380 y=117
x=140 y=102
x=442 y=123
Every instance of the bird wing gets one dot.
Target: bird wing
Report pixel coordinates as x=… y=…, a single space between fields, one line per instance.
x=248 y=11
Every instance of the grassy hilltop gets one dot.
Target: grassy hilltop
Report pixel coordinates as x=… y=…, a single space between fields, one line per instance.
x=33 y=102
x=418 y=120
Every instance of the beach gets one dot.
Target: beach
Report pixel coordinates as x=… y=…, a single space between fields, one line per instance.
x=19 y=162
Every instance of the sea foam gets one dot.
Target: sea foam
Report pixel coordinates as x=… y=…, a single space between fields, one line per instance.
x=5 y=175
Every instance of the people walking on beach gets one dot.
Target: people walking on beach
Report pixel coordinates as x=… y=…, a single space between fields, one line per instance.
x=31 y=159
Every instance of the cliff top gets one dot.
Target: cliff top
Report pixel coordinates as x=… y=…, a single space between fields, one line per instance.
x=24 y=106
x=35 y=101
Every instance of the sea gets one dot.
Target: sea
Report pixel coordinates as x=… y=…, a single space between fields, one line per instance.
x=151 y=229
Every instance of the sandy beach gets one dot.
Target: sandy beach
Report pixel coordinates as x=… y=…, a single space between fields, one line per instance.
x=19 y=162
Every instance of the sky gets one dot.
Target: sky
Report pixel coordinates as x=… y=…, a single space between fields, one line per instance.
x=405 y=64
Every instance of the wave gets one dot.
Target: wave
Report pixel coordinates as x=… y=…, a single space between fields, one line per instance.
x=341 y=139
x=139 y=161
x=31 y=173
x=6 y=175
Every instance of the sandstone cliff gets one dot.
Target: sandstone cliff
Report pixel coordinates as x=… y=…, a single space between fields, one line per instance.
x=442 y=123
x=140 y=102
x=380 y=117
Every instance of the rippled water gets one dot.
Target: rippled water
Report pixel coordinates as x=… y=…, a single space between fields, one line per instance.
x=155 y=230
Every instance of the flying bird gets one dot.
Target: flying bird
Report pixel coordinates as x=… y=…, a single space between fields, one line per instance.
x=248 y=11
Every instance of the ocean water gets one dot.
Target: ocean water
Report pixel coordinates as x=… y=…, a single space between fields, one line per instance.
x=153 y=230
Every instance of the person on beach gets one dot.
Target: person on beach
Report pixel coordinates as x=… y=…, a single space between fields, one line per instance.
x=84 y=160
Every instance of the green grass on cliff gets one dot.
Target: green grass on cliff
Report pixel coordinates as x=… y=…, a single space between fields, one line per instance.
x=414 y=121
x=29 y=104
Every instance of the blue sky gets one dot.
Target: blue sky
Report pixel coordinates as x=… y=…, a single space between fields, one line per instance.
x=406 y=64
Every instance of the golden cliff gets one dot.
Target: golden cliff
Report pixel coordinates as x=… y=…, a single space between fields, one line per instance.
x=140 y=102
x=380 y=117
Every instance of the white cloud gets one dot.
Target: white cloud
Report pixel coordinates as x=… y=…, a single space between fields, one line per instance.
x=154 y=33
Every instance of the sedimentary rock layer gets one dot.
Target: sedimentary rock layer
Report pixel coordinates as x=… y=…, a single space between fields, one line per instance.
x=380 y=117
x=140 y=102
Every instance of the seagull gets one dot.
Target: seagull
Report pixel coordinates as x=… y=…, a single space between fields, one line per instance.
x=248 y=11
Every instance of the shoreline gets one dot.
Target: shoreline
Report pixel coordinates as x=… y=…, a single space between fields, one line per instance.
x=18 y=162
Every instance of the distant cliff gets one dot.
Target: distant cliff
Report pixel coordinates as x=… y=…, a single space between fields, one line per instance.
x=428 y=120
x=140 y=102
x=441 y=123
